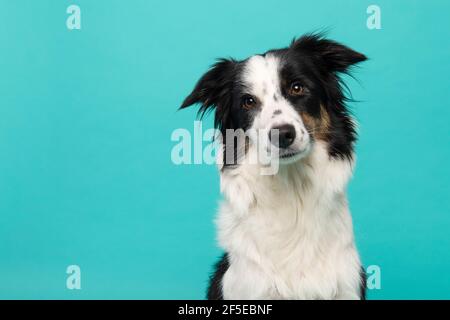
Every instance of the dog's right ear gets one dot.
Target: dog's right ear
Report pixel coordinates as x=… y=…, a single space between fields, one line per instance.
x=213 y=90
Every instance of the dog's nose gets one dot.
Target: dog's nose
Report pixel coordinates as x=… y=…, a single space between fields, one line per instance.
x=286 y=136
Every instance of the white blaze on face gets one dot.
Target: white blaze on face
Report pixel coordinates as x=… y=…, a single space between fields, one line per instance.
x=262 y=80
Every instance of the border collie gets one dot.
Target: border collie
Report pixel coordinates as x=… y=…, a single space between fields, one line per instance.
x=288 y=235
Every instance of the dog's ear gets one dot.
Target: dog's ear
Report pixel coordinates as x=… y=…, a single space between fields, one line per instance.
x=213 y=90
x=334 y=56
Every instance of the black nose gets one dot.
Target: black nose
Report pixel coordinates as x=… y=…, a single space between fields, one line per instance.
x=286 y=136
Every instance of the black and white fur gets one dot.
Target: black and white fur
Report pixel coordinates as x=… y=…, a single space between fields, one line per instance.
x=288 y=235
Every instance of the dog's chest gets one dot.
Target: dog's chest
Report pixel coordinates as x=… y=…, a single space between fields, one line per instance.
x=294 y=256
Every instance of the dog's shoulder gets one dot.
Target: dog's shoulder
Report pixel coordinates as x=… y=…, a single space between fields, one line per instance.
x=215 y=282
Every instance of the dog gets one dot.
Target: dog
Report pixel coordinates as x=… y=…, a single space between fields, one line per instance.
x=287 y=235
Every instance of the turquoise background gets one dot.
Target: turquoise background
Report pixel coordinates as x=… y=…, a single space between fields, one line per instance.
x=86 y=118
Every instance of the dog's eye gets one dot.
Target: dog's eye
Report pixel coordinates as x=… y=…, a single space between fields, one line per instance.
x=296 y=89
x=248 y=102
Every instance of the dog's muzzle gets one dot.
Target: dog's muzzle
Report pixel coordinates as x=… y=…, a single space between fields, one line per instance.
x=282 y=136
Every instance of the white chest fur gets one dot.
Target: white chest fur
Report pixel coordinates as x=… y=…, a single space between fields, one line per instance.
x=290 y=235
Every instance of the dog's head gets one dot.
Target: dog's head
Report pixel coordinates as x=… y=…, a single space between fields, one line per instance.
x=295 y=92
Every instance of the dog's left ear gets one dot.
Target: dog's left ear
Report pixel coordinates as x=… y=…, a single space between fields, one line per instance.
x=213 y=90
x=334 y=56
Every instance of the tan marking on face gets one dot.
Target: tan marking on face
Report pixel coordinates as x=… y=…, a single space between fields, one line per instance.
x=317 y=127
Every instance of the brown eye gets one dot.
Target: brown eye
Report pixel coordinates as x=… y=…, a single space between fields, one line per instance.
x=248 y=102
x=296 y=89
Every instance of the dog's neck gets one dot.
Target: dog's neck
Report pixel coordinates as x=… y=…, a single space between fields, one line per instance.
x=303 y=206
x=316 y=177
x=292 y=223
